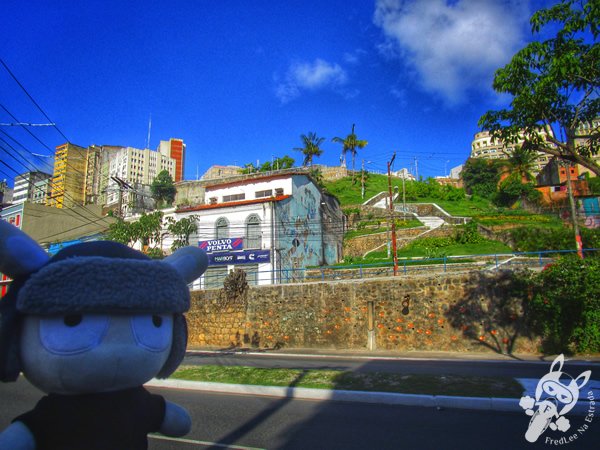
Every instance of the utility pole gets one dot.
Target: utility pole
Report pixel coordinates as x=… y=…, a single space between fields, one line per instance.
x=362 y=180
x=416 y=170
x=578 y=242
x=392 y=219
x=123 y=185
x=404 y=195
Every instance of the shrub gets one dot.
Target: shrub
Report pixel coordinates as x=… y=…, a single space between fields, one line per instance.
x=565 y=306
x=468 y=234
x=533 y=239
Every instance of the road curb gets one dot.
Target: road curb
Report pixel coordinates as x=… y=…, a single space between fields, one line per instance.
x=387 y=398
x=430 y=401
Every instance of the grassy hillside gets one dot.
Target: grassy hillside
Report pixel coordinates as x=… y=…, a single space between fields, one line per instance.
x=450 y=199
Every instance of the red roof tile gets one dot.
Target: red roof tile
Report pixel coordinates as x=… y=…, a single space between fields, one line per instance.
x=230 y=204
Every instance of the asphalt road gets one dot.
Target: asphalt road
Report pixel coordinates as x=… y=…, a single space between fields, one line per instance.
x=462 y=367
x=246 y=422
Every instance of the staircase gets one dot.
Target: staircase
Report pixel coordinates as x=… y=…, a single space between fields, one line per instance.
x=430 y=221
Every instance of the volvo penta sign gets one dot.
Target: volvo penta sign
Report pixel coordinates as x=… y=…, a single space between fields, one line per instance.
x=222 y=245
x=245 y=257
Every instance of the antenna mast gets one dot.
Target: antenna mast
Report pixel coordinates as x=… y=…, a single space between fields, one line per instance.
x=149 y=129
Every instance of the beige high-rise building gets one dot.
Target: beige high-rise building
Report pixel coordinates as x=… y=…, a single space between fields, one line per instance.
x=486 y=147
x=136 y=168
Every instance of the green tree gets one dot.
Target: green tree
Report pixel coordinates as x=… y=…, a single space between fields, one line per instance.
x=316 y=173
x=481 y=177
x=121 y=231
x=182 y=230
x=521 y=163
x=162 y=188
x=518 y=185
x=350 y=144
x=311 y=147
x=249 y=168
x=287 y=162
x=554 y=87
x=565 y=305
x=513 y=189
x=147 y=231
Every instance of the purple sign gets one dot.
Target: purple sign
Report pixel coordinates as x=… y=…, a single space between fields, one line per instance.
x=222 y=245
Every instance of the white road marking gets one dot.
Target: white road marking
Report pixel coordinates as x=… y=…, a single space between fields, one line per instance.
x=203 y=443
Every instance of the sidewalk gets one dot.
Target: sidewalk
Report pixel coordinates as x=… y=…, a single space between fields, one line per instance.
x=437 y=401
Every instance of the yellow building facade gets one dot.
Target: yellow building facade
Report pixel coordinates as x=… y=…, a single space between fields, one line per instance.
x=68 y=181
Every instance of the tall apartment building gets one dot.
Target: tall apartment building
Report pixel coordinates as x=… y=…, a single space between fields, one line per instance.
x=31 y=187
x=486 y=147
x=136 y=168
x=97 y=172
x=68 y=181
x=174 y=148
x=86 y=175
x=6 y=194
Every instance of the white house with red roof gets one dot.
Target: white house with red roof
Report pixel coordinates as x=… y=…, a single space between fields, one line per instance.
x=271 y=226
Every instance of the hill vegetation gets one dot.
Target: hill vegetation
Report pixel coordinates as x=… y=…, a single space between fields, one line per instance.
x=524 y=231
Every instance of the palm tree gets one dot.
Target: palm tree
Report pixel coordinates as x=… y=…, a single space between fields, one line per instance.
x=312 y=147
x=520 y=163
x=516 y=172
x=349 y=144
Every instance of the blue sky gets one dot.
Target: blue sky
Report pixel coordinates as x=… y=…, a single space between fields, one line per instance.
x=241 y=80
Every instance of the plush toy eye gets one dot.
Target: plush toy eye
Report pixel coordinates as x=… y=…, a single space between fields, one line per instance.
x=73 y=333
x=72 y=320
x=153 y=332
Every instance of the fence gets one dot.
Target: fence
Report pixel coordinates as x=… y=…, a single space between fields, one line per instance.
x=414 y=266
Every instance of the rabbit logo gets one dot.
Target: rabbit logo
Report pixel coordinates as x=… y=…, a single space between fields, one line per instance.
x=555 y=395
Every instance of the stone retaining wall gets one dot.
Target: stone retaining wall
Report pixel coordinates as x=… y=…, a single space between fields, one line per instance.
x=445 y=312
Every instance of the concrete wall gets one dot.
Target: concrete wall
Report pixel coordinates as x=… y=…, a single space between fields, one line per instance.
x=458 y=312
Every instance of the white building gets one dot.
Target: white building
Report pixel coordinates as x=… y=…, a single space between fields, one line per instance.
x=31 y=187
x=486 y=147
x=405 y=174
x=134 y=167
x=272 y=227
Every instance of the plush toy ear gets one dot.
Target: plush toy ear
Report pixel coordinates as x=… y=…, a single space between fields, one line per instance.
x=19 y=254
x=190 y=262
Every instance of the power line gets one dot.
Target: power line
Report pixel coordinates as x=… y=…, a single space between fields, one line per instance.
x=38 y=187
x=32 y=99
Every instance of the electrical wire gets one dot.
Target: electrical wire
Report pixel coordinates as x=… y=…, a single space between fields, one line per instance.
x=32 y=99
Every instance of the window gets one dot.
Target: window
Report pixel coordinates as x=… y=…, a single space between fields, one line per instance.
x=222 y=228
x=262 y=194
x=253 y=233
x=233 y=197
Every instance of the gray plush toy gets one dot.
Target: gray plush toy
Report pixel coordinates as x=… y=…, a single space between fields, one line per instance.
x=89 y=327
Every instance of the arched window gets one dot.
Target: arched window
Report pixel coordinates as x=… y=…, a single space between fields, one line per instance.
x=253 y=232
x=222 y=228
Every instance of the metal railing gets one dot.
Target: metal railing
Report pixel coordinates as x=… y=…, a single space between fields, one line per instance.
x=411 y=266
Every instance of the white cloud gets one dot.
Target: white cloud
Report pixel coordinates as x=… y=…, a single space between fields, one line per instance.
x=309 y=76
x=355 y=56
x=452 y=46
